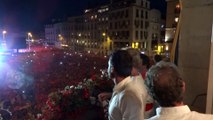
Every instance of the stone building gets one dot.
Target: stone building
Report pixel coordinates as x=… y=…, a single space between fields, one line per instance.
x=122 y=23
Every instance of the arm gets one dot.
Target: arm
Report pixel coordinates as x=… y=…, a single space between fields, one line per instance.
x=104 y=96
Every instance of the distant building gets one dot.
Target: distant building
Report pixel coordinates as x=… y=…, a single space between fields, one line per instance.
x=123 y=23
x=155 y=38
x=172 y=17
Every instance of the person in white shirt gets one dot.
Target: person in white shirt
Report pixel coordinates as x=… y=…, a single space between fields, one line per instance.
x=167 y=87
x=128 y=98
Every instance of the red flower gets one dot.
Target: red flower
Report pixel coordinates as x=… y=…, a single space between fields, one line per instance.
x=86 y=93
x=93 y=77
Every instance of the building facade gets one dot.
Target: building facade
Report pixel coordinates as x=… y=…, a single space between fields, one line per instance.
x=172 y=17
x=122 y=23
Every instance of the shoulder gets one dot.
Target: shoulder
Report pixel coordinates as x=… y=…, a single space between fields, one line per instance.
x=129 y=97
x=137 y=86
x=200 y=116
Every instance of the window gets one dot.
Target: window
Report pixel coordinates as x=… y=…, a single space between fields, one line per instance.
x=141 y=35
x=127 y=34
x=116 y=25
x=177 y=9
x=141 y=24
x=146 y=25
x=136 y=34
x=142 y=14
x=146 y=15
x=127 y=23
x=119 y=14
x=146 y=5
x=145 y=34
x=127 y=13
x=137 y=13
x=137 y=22
x=145 y=45
x=154 y=36
x=122 y=14
x=110 y=25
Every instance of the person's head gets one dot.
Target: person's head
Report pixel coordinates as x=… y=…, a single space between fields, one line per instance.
x=165 y=84
x=120 y=64
x=136 y=60
x=146 y=61
x=157 y=58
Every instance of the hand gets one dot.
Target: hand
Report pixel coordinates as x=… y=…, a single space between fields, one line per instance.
x=104 y=96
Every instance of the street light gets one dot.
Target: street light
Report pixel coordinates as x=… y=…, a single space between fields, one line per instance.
x=105 y=43
x=4 y=32
x=60 y=37
x=79 y=34
x=29 y=37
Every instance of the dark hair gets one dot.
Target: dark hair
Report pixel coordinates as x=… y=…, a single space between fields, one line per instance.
x=157 y=58
x=165 y=84
x=121 y=61
x=145 y=60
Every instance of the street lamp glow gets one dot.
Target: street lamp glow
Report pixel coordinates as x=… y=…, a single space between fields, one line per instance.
x=3 y=44
x=167 y=47
x=4 y=32
x=29 y=34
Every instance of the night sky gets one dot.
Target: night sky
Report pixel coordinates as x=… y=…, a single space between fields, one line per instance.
x=31 y=15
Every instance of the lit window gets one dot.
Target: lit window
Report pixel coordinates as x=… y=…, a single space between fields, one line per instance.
x=167 y=47
x=136 y=45
x=133 y=45
x=178 y=6
x=86 y=11
x=176 y=19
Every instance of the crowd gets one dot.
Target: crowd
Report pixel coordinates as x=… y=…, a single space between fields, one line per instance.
x=28 y=78
x=38 y=82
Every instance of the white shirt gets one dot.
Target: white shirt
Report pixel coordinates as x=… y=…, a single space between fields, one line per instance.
x=179 y=113
x=128 y=99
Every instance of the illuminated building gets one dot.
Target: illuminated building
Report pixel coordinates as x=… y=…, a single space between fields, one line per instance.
x=122 y=23
x=172 y=16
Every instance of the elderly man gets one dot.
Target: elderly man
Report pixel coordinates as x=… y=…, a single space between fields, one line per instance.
x=167 y=88
x=128 y=98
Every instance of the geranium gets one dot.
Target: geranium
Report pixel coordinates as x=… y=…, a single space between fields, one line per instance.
x=65 y=103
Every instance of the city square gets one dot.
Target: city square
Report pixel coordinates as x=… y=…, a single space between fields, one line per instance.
x=54 y=58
